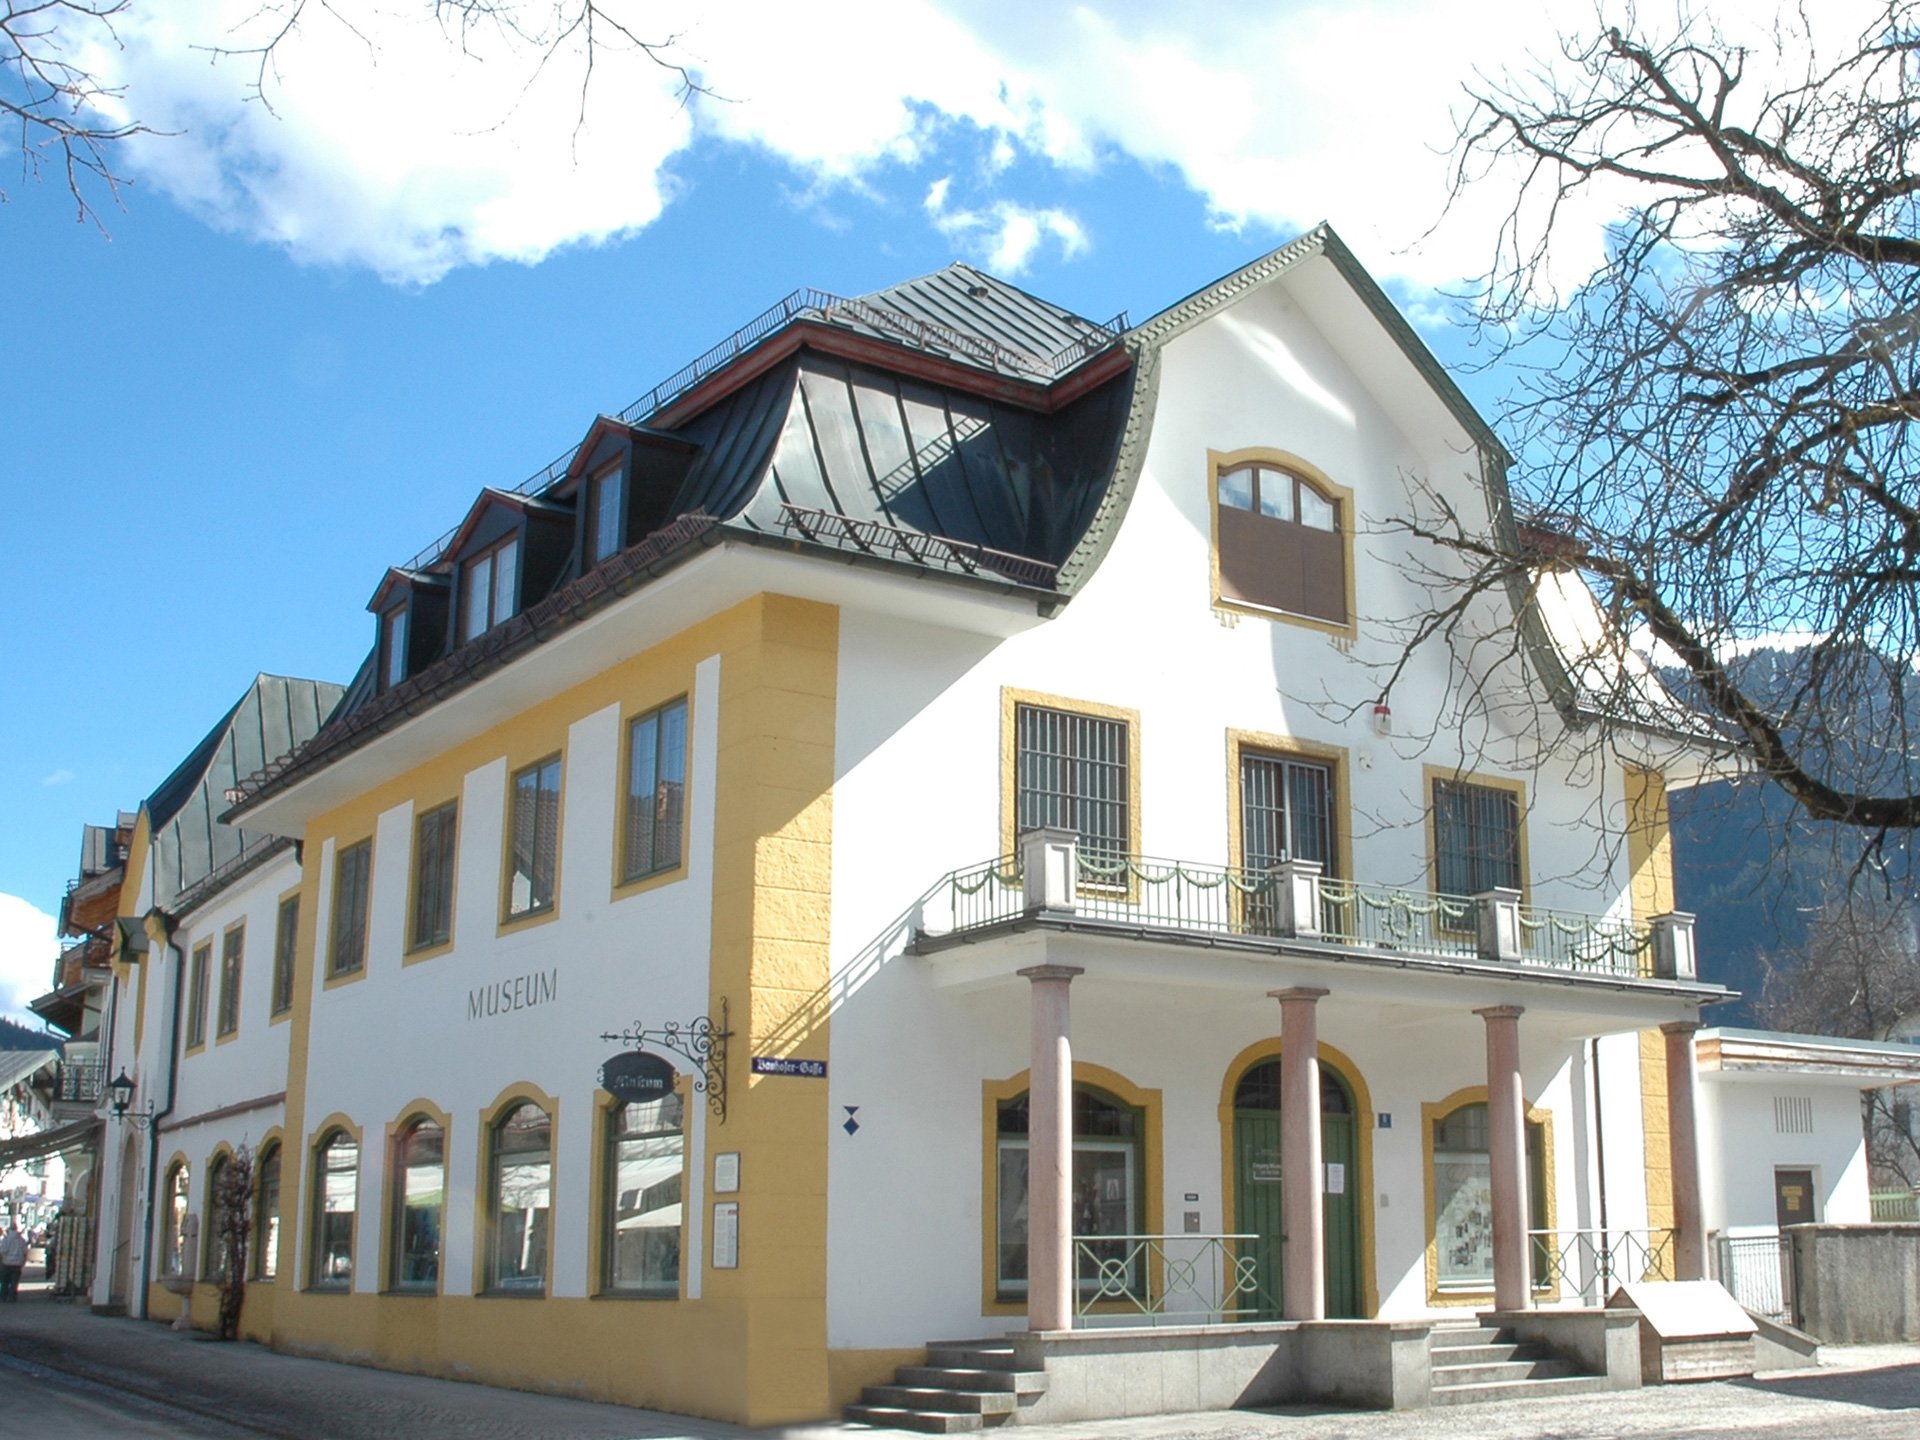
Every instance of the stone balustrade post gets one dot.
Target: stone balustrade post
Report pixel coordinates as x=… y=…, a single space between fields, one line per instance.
x=1673 y=952
x=1497 y=919
x=1050 y=862
x=1296 y=898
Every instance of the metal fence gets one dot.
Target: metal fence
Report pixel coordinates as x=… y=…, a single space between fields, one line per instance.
x=1590 y=1263
x=1757 y=1270
x=1170 y=1280
x=78 y=1081
x=1181 y=895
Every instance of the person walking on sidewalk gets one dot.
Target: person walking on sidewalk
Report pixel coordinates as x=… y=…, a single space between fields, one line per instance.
x=13 y=1259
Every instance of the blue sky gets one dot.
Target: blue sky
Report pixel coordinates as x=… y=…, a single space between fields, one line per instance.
x=314 y=333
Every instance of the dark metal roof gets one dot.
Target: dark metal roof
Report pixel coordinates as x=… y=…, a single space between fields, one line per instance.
x=821 y=434
x=1019 y=328
x=277 y=715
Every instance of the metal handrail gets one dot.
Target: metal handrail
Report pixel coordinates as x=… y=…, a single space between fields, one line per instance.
x=1179 y=1279
x=1188 y=896
x=1591 y=1262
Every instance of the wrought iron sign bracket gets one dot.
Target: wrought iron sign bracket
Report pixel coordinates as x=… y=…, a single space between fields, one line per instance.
x=701 y=1040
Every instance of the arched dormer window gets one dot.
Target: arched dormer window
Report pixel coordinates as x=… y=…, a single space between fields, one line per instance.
x=1283 y=541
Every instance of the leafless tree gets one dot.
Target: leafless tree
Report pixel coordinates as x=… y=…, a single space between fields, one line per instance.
x=1856 y=975
x=232 y=1217
x=71 y=121
x=60 y=108
x=1716 y=426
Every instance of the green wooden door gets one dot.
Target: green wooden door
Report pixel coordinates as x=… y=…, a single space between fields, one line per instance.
x=1256 y=1149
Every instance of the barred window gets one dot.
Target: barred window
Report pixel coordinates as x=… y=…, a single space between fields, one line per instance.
x=1071 y=774
x=433 y=845
x=1476 y=830
x=352 y=884
x=535 y=838
x=1285 y=811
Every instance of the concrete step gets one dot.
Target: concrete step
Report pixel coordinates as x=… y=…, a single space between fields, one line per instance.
x=1481 y=1354
x=1451 y=1337
x=950 y=1377
x=1501 y=1372
x=928 y=1422
x=958 y=1402
x=972 y=1354
x=1544 y=1389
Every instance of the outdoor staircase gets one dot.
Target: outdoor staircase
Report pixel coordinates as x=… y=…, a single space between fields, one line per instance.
x=965 y=1385
x=1472 y=1363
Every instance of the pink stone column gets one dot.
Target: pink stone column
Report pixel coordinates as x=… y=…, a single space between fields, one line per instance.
x=1050 y=1152
x=1683 y=1142
x=1507 y=1147
x=1302 y=1203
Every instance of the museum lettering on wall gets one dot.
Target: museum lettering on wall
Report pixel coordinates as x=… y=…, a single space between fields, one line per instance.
x=522 y=992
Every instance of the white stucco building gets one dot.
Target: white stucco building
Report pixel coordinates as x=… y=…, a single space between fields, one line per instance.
x=971 y=744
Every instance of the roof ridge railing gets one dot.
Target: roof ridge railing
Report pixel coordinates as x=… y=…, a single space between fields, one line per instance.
x=799 y=304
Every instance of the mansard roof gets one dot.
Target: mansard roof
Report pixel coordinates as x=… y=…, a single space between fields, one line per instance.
x=952 y=424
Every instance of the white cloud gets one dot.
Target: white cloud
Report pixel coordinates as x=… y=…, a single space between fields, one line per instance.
x=423 y=155
x=58 y=777
x=28 y=946
x=1003 y=236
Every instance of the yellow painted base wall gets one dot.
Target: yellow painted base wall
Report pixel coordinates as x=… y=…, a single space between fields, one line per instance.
x=686 y=1357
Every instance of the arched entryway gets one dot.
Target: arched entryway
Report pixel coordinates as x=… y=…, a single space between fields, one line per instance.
x=1256 y=1183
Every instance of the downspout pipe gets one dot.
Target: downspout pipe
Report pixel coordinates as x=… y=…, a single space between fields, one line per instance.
x=166 y=924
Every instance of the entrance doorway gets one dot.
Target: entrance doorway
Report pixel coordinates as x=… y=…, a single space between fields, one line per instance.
x=1256 y=1185
x=1793 y=1197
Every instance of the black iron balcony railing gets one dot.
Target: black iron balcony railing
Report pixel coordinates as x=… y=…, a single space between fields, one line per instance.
x=1294 y=901
x=78 y=1081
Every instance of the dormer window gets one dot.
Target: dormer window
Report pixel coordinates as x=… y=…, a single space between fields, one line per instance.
x=393 y=647
x=1283 y=541
x=603 y=511
x=487 y=588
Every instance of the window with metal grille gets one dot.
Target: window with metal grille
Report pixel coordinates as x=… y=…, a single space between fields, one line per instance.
x=1286 y=812
x=1071 y=774
x=433 y=848
x=286 y=936
x=1476 y=831
x=352 y=886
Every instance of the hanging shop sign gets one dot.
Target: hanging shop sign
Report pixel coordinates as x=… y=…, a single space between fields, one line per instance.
x=634 y=1075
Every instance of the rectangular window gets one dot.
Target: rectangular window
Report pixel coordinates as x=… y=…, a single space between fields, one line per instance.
x=534 y=834
x=352 y=886
x=1286 y=813
x=285 y=936
x=487 y=588
x=1280 y=543
x=433 y=848
x=197 y=994
x=266 y=1214
x=656 y=791
x=1071 y=773
x=604 y=493
x=1476 y=830
x=644 y=1170
x=393 y=646
x=232 y=945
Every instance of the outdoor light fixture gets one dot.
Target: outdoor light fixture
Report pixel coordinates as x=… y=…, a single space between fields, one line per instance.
x=120 y=1098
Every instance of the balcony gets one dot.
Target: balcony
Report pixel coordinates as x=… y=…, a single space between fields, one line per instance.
x=1291 y=906
x=78 y=1082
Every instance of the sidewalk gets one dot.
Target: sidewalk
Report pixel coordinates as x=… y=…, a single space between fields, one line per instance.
x=1863 y=1393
